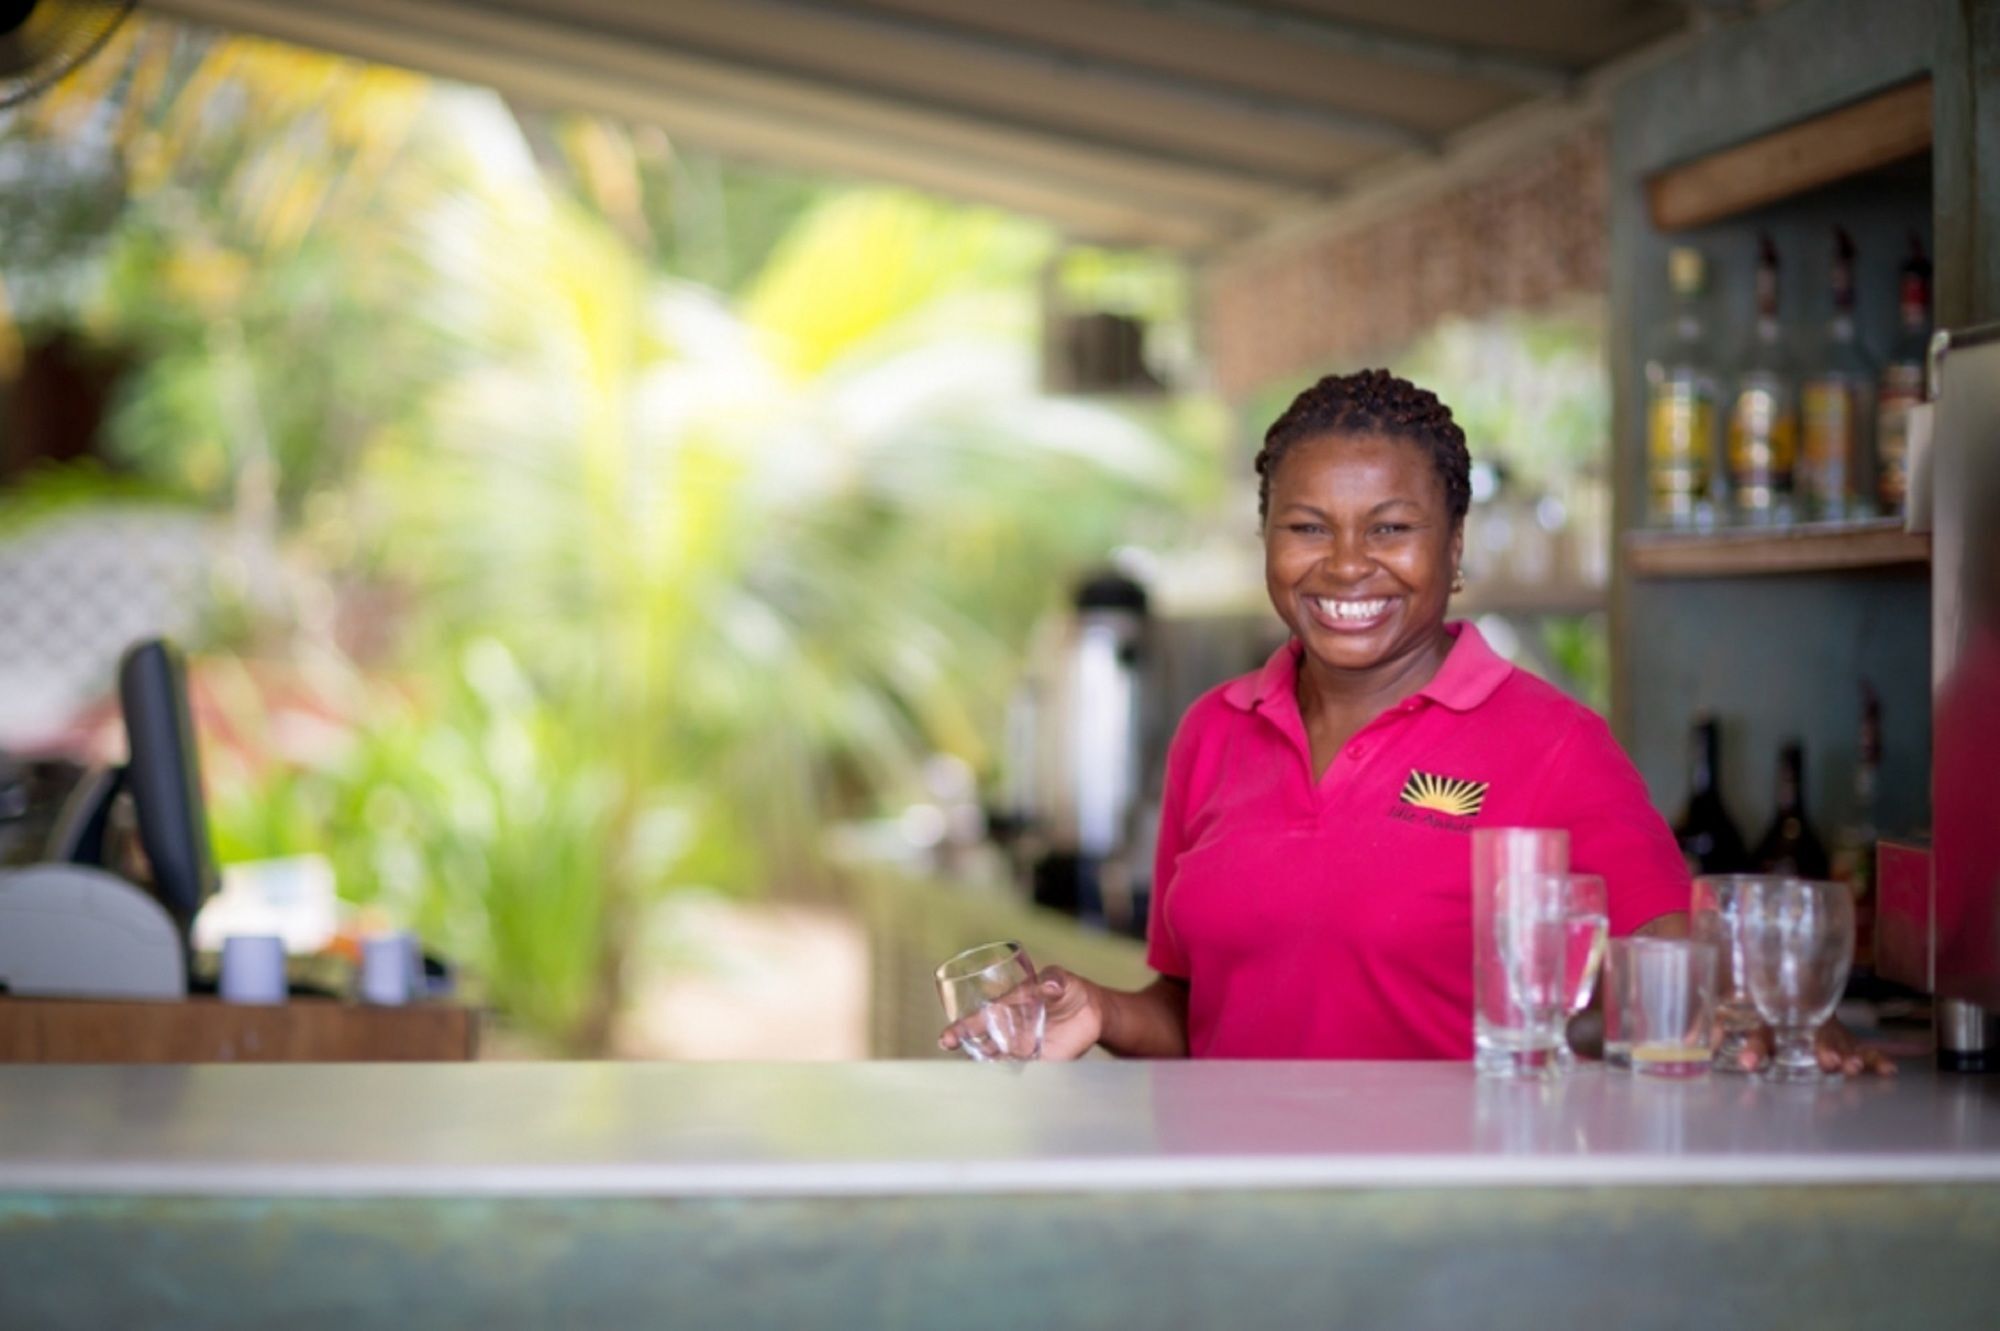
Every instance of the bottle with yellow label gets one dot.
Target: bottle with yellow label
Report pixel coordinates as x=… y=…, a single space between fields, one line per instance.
x=1681 y=404
x=1836 y=477
x=1763 y=410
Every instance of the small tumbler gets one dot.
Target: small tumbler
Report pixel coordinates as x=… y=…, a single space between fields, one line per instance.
x=1666 y=1005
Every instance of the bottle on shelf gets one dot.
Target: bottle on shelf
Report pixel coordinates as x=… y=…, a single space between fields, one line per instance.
x=1707 y=835
x=1763 y=412
x=1836 y=478
x=1790 y=845
x=1902 y=382
x=1681 y=402
x=1854 y=844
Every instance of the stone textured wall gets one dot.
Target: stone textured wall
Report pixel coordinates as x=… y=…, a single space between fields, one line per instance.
x=1524 y=232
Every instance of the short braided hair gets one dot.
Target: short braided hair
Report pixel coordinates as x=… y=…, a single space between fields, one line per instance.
x=1371 y=402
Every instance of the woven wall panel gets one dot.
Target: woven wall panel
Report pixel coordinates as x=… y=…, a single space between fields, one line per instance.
x=1532 y=230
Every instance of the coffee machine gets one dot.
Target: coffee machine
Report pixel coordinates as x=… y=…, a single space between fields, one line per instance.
x=1087 y=738
x=1079 y=752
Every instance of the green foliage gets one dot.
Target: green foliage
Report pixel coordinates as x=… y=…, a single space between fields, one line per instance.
x=1530 y=391
x=1580 y=647
x=478 y=816
x=686 y=579
x=52 y=490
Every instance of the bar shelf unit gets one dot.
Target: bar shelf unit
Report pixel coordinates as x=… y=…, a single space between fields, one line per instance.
x=1814 y=548
x=1810 y=114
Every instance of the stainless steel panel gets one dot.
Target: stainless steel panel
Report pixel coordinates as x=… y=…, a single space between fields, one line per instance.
x=1965 y=598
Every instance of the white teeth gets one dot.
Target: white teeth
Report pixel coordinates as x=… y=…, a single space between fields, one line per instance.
x=1354 y=610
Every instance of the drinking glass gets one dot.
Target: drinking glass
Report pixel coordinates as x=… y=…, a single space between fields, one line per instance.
x=1668 y=1007
x=1617 y=972
x=1587 y=924
x=991 y=996
x=1717 y=917
x=1798 y=943
x=1519 y=933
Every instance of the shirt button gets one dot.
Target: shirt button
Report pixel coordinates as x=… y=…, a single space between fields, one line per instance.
x=1357 y=750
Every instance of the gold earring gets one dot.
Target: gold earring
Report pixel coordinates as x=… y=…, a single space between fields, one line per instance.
x=1457 y=581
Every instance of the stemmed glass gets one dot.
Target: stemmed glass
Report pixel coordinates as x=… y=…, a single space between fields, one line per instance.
x=1798 y=943
x=1717 y=911
x=1587 y=924
x=994 y=1003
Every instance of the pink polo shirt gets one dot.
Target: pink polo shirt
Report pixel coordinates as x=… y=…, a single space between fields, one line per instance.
x=1333 y=919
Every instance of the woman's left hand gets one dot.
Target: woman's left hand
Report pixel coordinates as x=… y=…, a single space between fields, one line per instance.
x=1838 y=1050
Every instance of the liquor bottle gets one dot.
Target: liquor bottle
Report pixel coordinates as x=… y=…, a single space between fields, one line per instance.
x=1681 y=403
x=1790 y=845
x=1854 y=844
x=1707 y=836
x=1763 y=413
x=1902 y=385
x=1837 y=408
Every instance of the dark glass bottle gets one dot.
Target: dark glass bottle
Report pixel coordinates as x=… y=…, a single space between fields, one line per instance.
x=1790 y=845
x=1707 y=836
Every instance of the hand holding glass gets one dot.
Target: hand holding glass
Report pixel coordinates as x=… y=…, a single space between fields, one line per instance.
x=1798 y=943
x=993 y=1000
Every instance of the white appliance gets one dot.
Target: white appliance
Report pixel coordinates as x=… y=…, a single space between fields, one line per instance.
x=67 y=931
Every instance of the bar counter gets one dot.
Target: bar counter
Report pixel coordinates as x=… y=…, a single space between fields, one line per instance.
x=941 y=1193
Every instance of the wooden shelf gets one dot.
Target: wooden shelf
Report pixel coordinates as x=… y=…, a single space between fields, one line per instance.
x=1818 y=548
x=205 y=1030
x=1887 y=128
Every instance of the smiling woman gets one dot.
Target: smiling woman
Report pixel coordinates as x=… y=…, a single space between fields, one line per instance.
x=1312 y=894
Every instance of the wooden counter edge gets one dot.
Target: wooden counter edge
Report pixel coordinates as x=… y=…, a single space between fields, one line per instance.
x=206 y=1030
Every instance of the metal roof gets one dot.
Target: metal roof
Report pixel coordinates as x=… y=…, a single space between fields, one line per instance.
x=1182 y=123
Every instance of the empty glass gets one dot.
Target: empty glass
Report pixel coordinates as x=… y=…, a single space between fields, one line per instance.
x=1520 y=982
x=1798 y=943
x=1587 y=923
x=1617 y=968
x=1667 y=1005
x=994 y=1003
x=1717 y=917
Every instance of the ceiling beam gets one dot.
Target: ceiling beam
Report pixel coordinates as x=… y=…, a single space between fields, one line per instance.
x=586 y=52
x=1366 y=42
x=1097 y=195
x=1196 y=93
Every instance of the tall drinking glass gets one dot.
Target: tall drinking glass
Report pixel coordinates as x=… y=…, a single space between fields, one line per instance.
x=1798 y=943
x=1520 y=982
x=1716 y=911
x=994 y=1003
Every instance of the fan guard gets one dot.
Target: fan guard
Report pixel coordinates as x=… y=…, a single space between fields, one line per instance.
x=42 y=40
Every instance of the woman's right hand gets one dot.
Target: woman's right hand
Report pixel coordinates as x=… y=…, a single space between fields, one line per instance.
x=1075 y=1015
x=1074 y=1018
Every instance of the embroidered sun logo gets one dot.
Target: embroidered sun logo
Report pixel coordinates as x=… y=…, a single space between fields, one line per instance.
x=1444 y=794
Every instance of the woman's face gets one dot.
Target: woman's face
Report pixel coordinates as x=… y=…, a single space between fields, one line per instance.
x=1359 y=548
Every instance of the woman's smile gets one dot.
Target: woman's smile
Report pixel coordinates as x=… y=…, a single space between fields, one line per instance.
x=1352 y=614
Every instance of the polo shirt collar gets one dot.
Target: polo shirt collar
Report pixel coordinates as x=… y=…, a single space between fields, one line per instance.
x=1472 y=670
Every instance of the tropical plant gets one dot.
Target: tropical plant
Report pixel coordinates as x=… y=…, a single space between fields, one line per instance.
x=757 y=570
